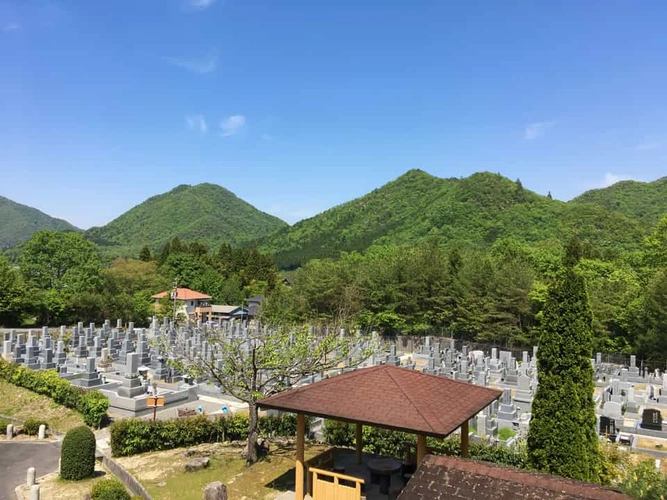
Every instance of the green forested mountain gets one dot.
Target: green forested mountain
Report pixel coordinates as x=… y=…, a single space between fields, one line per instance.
x=207 y=213
x=19 y=222
x=475 y=210
x=643 y=201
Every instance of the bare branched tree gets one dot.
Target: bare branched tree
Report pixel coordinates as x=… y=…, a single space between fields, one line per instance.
x=254 y=366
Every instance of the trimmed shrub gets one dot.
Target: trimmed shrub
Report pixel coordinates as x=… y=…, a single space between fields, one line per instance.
x=132 y=436
x=77 y=455
x=109 y=489
x=392 y=443
x=31 y=426
x=92 y=405
x=506 y=433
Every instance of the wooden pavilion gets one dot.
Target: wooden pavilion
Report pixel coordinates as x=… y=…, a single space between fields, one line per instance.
x=389 y=397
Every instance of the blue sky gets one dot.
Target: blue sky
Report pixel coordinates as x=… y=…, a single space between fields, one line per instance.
x=298 y=105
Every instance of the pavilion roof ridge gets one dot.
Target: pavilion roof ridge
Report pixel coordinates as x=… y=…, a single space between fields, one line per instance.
x=388 y=396
x=417 y=408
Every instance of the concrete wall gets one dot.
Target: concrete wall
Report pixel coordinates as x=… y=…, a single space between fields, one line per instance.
x=137 y=407
x=125 y=477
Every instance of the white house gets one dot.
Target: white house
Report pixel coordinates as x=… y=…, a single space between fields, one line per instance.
x=194 y=305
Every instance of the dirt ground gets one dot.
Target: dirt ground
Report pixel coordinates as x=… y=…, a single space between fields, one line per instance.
x=54 y=488
x=163 y=475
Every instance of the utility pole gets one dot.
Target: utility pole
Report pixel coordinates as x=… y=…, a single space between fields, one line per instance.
x=174 y=296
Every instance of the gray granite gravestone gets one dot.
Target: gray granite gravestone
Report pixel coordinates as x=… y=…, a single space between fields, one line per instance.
x=132 y=386
x=90 y=378
x=82 y=349
x=47 y=362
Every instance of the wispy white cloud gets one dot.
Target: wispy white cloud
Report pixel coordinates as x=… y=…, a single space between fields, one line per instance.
x=200 y=4
x=610 y=179
x=232 y=125
x=197 y=122
x=537 y=129
x=200 y=66
x=11 y=27
x=267 y=137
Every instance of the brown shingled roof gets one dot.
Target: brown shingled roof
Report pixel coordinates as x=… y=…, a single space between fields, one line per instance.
x=389 y=397
x=448 y=478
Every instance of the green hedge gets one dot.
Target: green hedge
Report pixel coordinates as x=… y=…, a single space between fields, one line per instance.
x=3 y=424
x=132 y=436
x=31 y=426
x=92 y=405
x=392 y=443
x=77 y=455
x=109 y=489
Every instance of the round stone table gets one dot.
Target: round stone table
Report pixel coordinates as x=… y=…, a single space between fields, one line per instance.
x=384 y=468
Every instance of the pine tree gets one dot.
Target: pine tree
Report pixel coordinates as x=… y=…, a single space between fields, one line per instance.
x=145 y=254
x=562 y=438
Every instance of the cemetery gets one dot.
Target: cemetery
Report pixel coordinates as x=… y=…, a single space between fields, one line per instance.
x=131 y=366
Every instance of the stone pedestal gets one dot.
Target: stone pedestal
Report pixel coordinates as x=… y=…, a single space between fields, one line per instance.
x=132 y=386
x=82 y=349
x=7 y=351
x=61 y=355
x=47 y=362
x=91 y=378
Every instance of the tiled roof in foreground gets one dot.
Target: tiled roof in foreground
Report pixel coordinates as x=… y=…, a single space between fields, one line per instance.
x=448 y=478
x=390 y=397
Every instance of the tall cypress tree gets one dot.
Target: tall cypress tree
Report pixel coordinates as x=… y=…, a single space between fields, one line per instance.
x=562 y=438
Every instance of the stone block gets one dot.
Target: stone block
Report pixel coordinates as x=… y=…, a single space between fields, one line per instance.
x=196 y=464
x=34 y=492
x=215 y=491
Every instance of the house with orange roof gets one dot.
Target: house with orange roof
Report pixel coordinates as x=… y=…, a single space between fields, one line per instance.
x=194 y=305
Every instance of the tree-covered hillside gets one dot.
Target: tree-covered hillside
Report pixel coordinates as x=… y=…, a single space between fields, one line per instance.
x=643 y=201
x=19 y=222
x=475 y=210
x=207 y=213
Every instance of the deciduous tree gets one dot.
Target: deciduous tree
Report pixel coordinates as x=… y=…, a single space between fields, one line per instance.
x=264 y=363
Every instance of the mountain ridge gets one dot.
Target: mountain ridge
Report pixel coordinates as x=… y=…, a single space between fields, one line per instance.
x=477 y=209
x=644 y=201
x=18 y=222
x=205 y=212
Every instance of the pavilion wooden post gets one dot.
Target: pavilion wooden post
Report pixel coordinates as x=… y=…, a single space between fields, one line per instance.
x=300 y=438
x=359 y=442
x=421 y=448
x=464 y=439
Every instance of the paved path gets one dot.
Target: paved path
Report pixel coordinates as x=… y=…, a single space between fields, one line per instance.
x=16 y=458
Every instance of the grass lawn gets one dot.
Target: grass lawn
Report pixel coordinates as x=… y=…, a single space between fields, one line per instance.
x=23 y=404
x=162 y=473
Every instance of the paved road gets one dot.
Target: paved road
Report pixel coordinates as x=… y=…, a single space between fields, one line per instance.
x=16 y=458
